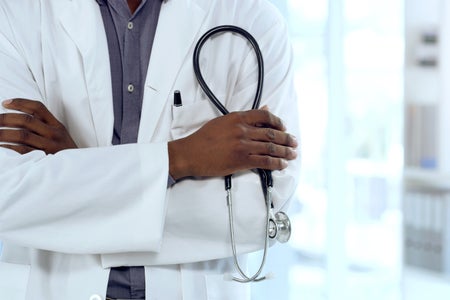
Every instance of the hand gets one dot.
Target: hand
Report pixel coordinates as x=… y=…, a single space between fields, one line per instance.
x=36 y=129
x=235 y=142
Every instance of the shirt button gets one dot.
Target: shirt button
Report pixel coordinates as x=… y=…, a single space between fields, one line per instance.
x=95 y=297
x=130 y=88
x=130 y=25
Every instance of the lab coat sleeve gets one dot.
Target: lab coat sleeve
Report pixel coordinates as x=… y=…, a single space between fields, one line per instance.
x=279 y=96
x=76 y=201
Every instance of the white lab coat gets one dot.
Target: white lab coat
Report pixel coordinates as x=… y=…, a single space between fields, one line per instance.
x=65 y=219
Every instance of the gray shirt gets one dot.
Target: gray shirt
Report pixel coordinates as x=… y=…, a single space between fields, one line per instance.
x=130 y=39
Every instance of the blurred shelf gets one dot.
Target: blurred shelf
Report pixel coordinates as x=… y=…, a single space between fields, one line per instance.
x=426 y=178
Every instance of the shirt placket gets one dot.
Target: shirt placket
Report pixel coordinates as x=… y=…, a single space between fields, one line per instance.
x=131 y=106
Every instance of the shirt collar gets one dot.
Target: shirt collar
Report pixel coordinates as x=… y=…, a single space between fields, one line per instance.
x=103 y=2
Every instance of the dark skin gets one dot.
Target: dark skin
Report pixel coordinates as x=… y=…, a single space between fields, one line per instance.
x=133 y=5
x=225 y=145
x=37 y=128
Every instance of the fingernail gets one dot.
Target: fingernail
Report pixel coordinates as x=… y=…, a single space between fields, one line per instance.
x=294 y=140
x=284 y=163
x=7 y=102
x=294 y=153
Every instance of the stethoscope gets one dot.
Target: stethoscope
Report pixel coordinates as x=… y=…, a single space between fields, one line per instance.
x=277 y=224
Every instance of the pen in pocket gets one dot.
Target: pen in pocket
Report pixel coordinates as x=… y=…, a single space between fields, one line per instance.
x=177 y=98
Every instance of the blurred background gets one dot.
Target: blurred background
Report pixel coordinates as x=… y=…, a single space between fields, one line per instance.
x=370 y=221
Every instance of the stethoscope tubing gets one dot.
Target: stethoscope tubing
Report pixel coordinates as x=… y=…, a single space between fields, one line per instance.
x=196 y=59
x=255 y=277
x=265 y=175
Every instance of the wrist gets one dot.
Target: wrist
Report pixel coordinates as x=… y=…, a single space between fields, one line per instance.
x=178 y=164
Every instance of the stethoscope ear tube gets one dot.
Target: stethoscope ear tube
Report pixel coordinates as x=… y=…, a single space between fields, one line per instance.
x=265 y=175
x=196 y=61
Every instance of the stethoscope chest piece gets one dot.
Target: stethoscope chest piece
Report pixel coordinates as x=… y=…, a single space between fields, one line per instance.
x=280 y=227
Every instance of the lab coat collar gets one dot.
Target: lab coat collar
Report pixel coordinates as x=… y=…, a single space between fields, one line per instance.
x=178 y=25
x=83 y=23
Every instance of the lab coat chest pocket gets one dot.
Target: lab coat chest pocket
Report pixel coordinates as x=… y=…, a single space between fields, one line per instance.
x=189 y=117
x=13 y=281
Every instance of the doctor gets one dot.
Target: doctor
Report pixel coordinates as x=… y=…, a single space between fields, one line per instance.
x=86 y=210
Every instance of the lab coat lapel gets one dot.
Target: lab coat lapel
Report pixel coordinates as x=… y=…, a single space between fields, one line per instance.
x=178 y=25
x=83 y=23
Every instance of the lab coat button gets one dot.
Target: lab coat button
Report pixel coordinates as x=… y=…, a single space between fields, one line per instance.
x=95 y=297
x=130 y=25
x=130 y=88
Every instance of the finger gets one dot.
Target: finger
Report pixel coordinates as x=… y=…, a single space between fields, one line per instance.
x=273 y=150
x=23 y=137
x=34 y=108
x=23 y=121
x=272 y=135
x=262 y=118
x=267 y=162
x=22 y=149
